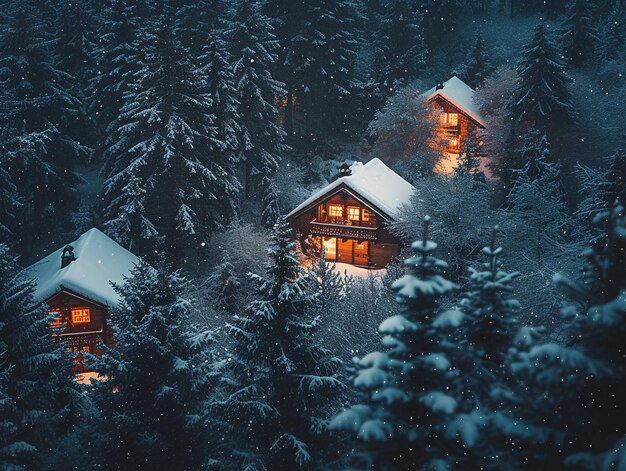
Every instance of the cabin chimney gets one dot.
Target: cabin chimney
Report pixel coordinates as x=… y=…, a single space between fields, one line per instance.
x=68 y=256
x=344 y=170
x=439 y=86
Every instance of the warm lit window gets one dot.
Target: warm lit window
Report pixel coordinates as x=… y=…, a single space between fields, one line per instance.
x=353 y=213
x=335 y=210
x=365 y=215
x=57 y=320
x=450 y=119
x=81 y=316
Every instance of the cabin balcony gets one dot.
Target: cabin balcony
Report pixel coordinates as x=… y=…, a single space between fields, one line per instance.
x=344 y=230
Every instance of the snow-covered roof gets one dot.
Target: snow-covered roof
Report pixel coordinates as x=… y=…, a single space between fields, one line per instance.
x=99 y=261
x=460 y=94
x=373 y=181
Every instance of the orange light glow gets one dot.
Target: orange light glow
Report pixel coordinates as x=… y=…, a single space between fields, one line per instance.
x=81 y=316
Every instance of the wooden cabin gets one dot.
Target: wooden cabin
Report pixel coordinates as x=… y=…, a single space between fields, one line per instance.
x=349 y=217
x=75 y=283
x=459 y=115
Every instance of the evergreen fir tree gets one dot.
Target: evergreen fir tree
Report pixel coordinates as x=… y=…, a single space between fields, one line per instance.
x=38 y=109
x=261 y=140
x=477 y=66
x=541 y=96
x=399 y=49
x=538 y=199
x=116 y=56
x=75 y=50
x=582 y=382
x=579 y=37
x=11 y=450
x=44 y=401
x=469 y=160
x=327 y=283
x=410 y=420
x=282 y=379
x=611 y=45
x=226 y=286
x=9 y=202
x=147 y=400
x=161 y=151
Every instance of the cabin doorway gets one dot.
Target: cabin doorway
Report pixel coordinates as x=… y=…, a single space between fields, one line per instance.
x=330 y=248
x=346 y=251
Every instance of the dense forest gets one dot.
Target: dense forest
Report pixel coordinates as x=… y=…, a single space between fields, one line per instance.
x=186 y=130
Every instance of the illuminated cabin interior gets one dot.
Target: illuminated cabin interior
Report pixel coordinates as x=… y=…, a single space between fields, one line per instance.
x=459 y=115
x=349 y=217
x=75 y=283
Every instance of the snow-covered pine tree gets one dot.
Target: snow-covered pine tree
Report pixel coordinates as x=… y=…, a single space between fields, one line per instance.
x=147 y=399
x=37 y=109
x=477 y=66
x=399 y=49
x=161 y=151
x=261 y=140
x=215 y=62
x=75 y=55
x=468 y=163
x=489 y=329
x=409 y=419
x=225 y=286
x=328 y=285
x=582 y=382
x=541 y=95
x=281 y=378
x=579 y=37
x=11 y=450
x=613 y=37
x=116 y=57
x=538 y=200
x=44 y=400
x=9 y=201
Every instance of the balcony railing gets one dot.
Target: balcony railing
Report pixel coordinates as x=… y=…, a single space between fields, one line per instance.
x=344 y=231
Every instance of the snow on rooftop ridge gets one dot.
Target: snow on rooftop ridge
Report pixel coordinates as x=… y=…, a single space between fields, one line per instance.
x=457 y=92
x=99 y=261
x=375 y=182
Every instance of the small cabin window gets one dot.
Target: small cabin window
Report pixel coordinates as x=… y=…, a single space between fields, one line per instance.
x=450 y=119
x=335 y=210
x=365 y=215
x=353 y=213
x=81 y=316
x=57 y=320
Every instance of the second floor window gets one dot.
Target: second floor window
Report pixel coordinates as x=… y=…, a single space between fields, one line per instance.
x=335 y=211
x=450 y=119
x=81 y=316
x=353 y=213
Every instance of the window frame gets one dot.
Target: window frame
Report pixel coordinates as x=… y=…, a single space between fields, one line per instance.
x=335 y=210
x=85 y=314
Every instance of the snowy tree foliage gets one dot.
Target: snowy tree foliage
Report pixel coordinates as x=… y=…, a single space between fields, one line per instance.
x=477 y=66
x=225 y=286
x=39 y=397
x=163 y=184
x=409 y=419
x=147 y=400
x=261 y=140
x=281 y=378
x=537 y=197
x=579 y=36
x=541 y=94
x=38 y=109
x=582 y=380
x=116 y=56
x=399 y=50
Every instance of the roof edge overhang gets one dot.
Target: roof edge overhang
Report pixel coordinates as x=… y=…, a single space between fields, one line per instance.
x=63 y=290
x=338 y=189
x=458 y=108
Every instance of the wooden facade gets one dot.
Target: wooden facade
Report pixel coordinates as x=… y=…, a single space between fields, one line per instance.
x=80 y=324
x=454 y=126
x=349 y=229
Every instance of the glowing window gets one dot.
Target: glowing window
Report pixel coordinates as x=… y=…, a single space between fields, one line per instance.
x=353 y=213
x=57 y=320
x=81 y=316
x=365 y=215
x=335 y=210
x=450 y=119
